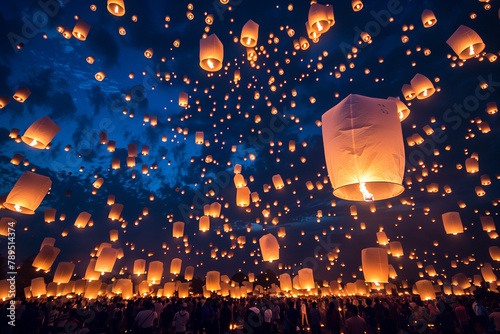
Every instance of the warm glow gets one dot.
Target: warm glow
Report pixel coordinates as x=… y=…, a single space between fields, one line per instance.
x=366 y=195
x=210 y=64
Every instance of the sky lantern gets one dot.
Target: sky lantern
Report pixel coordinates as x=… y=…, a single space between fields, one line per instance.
x=99 y=76
x=81 y=30
x=212 y=282
x=452 y=223
x=188 y=273
x=239 y=181
x=428 y=18
x=175 y=266
x=249 y=34
x=461 y=281
x=408 y=92
x=278 y=181
x=46 y=257
x=495 y=253
x=382 y=238
x=82 y=219
x=40 y=133
x=106 y=260
x=364 y=148
x=21 y=94
x=204 y=224
x=4 y=100
x=357 y=5
x=178 y=229
x=466 y=43
x=471 y=165
x=98 y=183
x=199 y=138
x=116 y=7
x=211 y=53
x=306 y=279
x=90 y=273
x=430 y=270
x=6 y=224
x=425 y=290
x=183 y=99
x=28 y=192
x=422 y=86
x=269 y=247
x=215 y=208
x=242 y=196
x=488 y=274
x=113 y=235
x=63 y=272
x=139 y=267
x=155 y=272
x=115 y=211
x=375 y=263
x=318 y=18
x=169 y=289
x=49 y=215
x=38 y=287
x=92 y=289
x=396 y=248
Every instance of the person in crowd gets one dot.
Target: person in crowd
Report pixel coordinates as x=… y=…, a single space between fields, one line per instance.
x=181 y=319
x=355 y=324
x=146 y=319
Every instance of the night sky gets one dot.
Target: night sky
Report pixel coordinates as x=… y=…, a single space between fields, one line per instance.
x=63 y=87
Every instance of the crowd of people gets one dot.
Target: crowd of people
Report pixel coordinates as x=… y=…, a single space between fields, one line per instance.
x=405 y=314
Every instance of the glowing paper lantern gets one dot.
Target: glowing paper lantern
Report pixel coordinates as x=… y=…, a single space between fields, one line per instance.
x=21 y=94
x=7 y=224
x=306 y=279
x=115 y=211
x=116 y=7
x=495 y=253
x=269 y=248
x=155 y=272
x=428 y=18
x=375 y=263
x=27 y=193
x=40 y=133
x=92 y=289
x=364 y=148
x=188 y=273
x=139 y=267
x=113 y=235
x=243 y=196
x=471 y=165
x=49 y=215
x=169 y=289
x=461 y=281
x=204 y=224
x=211 y=53
x=430 y=270
x=249 y=34
x=466 y=42
x=82 y=219
x=425 y=290
x=46 y=257
x=175 y=266
x=199 y=138
x=396 y=248
x=357 y=5
x=278 y=181
x=212 y=281
x=488 y=274
x=318 y=18
x=422 y=86
x=452 y=223
x=178 y=230
x=106 y=260
x=38 y=287
x=4 y=100
x=63 y=272
x=382 y=238
x=81 y=30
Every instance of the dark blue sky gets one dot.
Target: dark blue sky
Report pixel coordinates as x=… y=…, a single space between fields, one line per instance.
x=64 y=88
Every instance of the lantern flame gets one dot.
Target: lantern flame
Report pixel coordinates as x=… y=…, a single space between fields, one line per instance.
x=248 y=41
x=210 y=63
x=33 y=143
x=319 y=26
x=17 y=207
x=366 y=195
x=471 y=52
x=116 y=9
x=425 y=92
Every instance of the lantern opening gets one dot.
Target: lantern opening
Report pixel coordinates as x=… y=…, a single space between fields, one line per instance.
x=366 y=194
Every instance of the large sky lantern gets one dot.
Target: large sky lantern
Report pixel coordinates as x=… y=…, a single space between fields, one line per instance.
x=488 y=274
x=318 y=18
x=306 y=278
x=92 y=289
x=81 y=30
x=116 y=7
x=364 y=148
x=278 y=181
x=175 y=266
x=83 y=219
x=408 y=92
x=428 y=18
x=178 y=229
x=269 y=248
x=466 y=43
x=38 y=287
x=239 y=181
x=22 y=94
x=215 y=208
x=106 y=260
x=189 y=273
x=115 y=211
x=461 y=280
x=212 y=280
x=40 y=133
x=471 y=165
x=382 y=238
x=249 y=34
x=211 y=53
x=204 y=223
x=243 y=196
x=49 y=215
x=155 y=272
x=494 y=253
x=6 y=225
x=28 y=192
x=452 y=223
x=169 y=289
x=46 y=257
x=139 y=267
x=63 y=272
x=396 y=248
x=422 y=86
x=425 y=290
x=375 y=263
x=90 y=273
